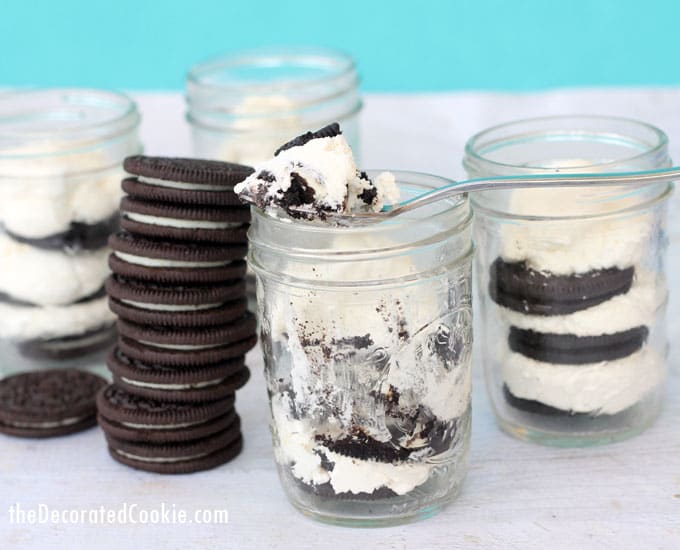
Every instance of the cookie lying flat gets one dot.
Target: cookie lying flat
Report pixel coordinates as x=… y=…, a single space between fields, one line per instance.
x=176 y=305
x=197 y=384
x=137 y=418
x=520 y=288
x=179 y=458
x=187 y=181
x=173 y=221
x=175 y=262
x=68 y=347
x=79 y=236
x=567 y=349
x=48 y=403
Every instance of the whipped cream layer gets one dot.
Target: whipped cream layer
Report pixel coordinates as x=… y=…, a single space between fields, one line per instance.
x=47 y=277
x=608 y=387
x=28 y=323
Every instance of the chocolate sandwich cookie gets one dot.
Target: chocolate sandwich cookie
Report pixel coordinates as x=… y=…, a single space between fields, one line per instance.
x=135 y=418
x=176 y=305
x=186 y=181
x=179 y=458
x=48 y=403
x=175 y=262
x=569 y=349
x=189 y=347
x=68 y=347
x=79 y=236
x=155 y=381
x=174 y=221
x=535 y=407
x=329 y=131
x=518 y=287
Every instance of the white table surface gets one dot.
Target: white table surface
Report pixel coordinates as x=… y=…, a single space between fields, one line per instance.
x=517 y=495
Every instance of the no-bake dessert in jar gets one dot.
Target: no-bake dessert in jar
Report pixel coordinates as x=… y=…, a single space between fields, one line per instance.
x=366 y=334
x=571 y=280
x=60 y=171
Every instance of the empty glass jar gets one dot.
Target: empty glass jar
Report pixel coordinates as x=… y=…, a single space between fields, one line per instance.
x=366 y=334
x=571 y=282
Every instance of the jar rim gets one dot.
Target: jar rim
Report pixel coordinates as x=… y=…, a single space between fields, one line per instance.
x=474 y=153
x=270 y=57
x=73 y=115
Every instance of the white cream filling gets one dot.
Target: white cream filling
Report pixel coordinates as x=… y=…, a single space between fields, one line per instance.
x=50 y=277
x=167 y=460
x=77 y=342
x=607 y=387
x=172 y=387
x=170 y=307
x=183 y=185
x=185 y=347
x=28 y=323
x=639 y=306
x=155 y=262
x=160 y=426
x=179 y=223
x=47 y=425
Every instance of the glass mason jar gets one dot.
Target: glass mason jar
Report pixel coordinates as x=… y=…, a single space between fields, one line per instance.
x=243 y=106
x=61 y=153
x=366 y=334
x=571 y=283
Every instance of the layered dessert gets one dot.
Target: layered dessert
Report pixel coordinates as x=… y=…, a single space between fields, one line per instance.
x=369 y=385
x=56 y=213
x=580 y=302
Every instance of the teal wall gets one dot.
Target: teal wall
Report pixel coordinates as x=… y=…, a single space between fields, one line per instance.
x=401 y=45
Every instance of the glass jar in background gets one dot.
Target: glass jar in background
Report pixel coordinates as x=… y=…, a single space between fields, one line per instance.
x=243 y=106
x=366 y=334
x=571 y=282
x=61 y=153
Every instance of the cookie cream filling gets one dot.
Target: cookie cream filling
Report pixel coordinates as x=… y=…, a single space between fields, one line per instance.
x=76 y=343
x=170 y=307
x=48 y=277
x=28 y=323
x=46 y=425
x=159 y=459
x=156 y=262
x=639 y=306
x=182 y=347
x=180 y=223
x=161 y=426
x=608 y=387
x=184 y=185
x=172 y=387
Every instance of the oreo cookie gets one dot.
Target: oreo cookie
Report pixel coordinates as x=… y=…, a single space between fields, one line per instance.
x=179 y=458
x=48 y=403
x=186 y=357
x=174 y=221
x=156 y=381
x=189 y=339
x=68 y=347
x=518 y=287
x=569 y=349
x=176 y=305
x=142 y=419
x=329 y=131
x=79 y=236
x=185 y=181
x=535 y=407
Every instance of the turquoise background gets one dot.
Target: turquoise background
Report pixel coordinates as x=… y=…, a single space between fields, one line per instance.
x=411 y=45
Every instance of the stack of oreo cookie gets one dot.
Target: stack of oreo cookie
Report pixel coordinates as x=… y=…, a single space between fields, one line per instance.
x=178 y=290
